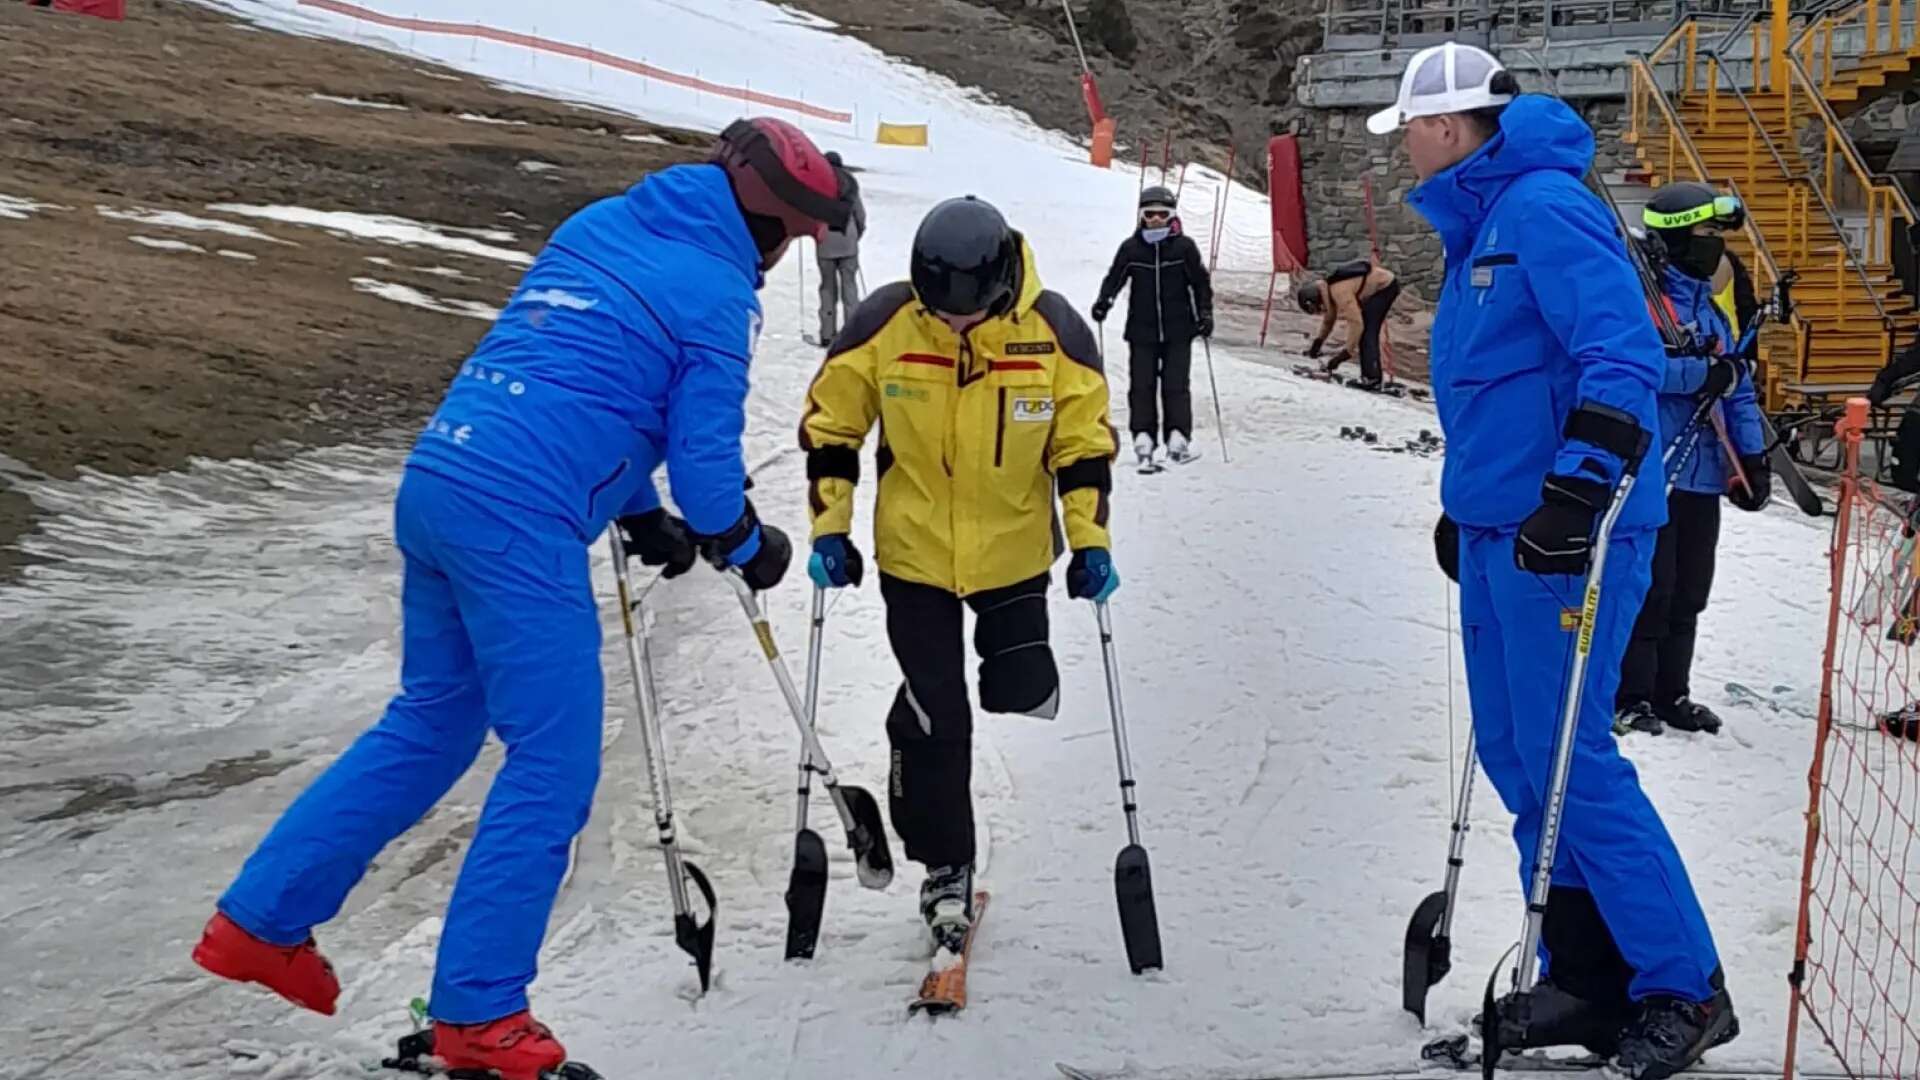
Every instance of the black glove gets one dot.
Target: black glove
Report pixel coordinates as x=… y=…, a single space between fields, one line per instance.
x=1759 y=484
x=1100 y=309
x=659 y=539
x=1313 y=350
x=1446 y=547
x=1558 y=537
x=760 y=552
x=1723 y=374
x=1205 y=325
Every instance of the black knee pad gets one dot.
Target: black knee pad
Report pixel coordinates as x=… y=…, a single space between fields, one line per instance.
x=1017 y=672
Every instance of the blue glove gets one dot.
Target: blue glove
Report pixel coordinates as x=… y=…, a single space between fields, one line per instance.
x=1091 y=576
x=836 y=563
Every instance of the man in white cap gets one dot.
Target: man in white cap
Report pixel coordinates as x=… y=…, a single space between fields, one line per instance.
x=1546 y=370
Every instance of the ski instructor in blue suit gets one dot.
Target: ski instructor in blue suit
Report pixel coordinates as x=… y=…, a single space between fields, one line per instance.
x=625 y=347
x=1546 y=372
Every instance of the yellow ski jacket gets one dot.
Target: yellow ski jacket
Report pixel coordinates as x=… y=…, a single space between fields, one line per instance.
x=976 y=432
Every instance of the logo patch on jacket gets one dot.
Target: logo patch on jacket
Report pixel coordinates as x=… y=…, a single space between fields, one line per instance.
x=1029 y=348
x=895 y=390
x=1032 y=410
x=1483 y=267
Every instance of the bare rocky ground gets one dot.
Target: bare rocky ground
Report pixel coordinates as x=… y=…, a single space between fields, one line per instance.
x=122 y=356
x=130 y=356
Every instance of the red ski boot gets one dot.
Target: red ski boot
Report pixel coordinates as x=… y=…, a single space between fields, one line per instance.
x=516 y=1047
x=296 y=972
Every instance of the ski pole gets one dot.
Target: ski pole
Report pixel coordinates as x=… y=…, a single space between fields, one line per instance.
x=693 y=937
x=1132 y=876
x=1207 y=344
x=807 y=885
x=859 y=813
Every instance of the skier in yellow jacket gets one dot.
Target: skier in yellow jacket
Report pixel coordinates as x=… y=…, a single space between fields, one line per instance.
x=991 y=397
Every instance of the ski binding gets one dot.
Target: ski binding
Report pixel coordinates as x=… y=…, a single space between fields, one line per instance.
x=944 y=990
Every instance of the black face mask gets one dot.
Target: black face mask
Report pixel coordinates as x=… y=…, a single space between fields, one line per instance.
x=1698 y=256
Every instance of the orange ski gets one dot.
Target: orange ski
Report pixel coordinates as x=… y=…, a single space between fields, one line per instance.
x=944 y=990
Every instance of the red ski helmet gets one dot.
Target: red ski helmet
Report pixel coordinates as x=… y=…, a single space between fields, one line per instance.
x=778 y=173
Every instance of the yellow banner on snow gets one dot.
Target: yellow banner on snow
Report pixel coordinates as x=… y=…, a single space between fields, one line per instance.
x=901 y=134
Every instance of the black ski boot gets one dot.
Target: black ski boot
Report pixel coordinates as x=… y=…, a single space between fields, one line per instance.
x=946 y=903
x=1582 y=1000
x=1902 y=723
x=1686 y=714
x=1638 y=716
x=1669 y=1035
x=1558 y=1017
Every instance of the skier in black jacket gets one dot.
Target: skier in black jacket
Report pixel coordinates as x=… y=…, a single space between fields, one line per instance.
x=1171 y=303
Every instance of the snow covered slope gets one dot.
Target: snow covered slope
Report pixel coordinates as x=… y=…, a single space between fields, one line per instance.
x=1285 y=640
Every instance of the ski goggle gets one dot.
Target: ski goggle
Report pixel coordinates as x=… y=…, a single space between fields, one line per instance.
x=1155 y=213
x=1724 y=210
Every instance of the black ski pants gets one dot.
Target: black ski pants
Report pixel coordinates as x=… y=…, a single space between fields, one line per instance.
x=1373 y=318
x=1161 y=390
x=930 y=726
x=1659 y=661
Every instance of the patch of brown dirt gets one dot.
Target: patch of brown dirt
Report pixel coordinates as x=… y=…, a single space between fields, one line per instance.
x=128 y=358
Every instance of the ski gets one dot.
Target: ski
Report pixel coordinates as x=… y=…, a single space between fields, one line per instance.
x=1462 y=1053
x=1151 y=468
x=944 y=990
x=1784 y=467
x=1386 y=389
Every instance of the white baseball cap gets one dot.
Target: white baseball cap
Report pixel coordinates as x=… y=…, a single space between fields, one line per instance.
x=1445 y=78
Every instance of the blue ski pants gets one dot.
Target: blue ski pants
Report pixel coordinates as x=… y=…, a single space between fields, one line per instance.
x=500 y=634
x=1519 y=642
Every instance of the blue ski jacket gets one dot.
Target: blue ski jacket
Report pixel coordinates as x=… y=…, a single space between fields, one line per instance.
x=1540 y=311
x=1705 y=470
x=626 y=346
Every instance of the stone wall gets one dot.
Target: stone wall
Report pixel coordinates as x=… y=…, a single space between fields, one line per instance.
x=1337 y=152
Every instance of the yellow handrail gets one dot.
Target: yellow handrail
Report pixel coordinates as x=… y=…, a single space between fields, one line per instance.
x=1681 y=148
x=1644 y=89
x=1875 y=188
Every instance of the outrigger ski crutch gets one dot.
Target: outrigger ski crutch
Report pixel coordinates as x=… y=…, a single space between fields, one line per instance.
x=1526 y=969
x=1429 y=948
x=1132 y=877
x=807 y=885
x=695 y=937
x=859 y=813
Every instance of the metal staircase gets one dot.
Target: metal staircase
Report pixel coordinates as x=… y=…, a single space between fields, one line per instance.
x=1710 y=104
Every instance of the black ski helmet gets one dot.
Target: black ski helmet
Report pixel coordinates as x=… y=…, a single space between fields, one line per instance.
x=1158 y=196
x=1675 y=209
x=965 y=259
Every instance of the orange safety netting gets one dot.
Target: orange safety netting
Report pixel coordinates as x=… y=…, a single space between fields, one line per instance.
x=1856 y=974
